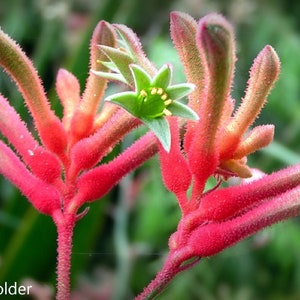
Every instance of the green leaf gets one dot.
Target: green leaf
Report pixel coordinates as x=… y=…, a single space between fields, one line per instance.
x=178 y=91
x=121 y=59
x=127 y=100
x=153 y=99
x=160 y=128
x=181 y=110
x=141 y=79
x=110 y=65
x=163 y=77
x=110 y=76
x=134 y=47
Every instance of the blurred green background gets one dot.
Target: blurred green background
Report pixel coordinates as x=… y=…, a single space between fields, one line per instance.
x=121 y=243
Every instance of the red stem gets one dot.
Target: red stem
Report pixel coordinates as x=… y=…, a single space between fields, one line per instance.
x=65 y=226
x=158 y=284
x=172 y=266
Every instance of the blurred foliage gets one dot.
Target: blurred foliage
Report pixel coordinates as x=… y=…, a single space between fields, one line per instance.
x=121 y=243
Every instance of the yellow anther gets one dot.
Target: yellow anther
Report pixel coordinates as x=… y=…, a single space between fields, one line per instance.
x=164 y=97
x=122 y=49
x=166 y=112
x=159 y=91
x=168 y=102
x=154 y=91
x=143 y=93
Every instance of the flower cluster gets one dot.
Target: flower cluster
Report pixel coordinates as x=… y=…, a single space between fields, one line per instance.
x=152 y=98
x=63 y=169
x=217 y=146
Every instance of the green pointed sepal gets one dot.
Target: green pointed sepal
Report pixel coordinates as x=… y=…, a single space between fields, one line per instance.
x=160 y=127
x=153 y=98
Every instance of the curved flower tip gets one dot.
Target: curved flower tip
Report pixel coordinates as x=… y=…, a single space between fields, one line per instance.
x=42 y=195
x=263 y=74
x=153 y=99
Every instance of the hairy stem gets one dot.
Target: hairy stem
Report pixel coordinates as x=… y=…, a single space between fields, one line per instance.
x=159 y=283
x=176 y=262
x=65 y=226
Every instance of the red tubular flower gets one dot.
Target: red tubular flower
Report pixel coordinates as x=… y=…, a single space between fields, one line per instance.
x=20 y=68
x=174 y=168
x=263 y=74
x=98 y=181
x=225 y=204
x=41 y=161
x=43 y=196
x=68 y=91
x=83 y=117
x=78 y=142
x=218 y=145
x=65 y=172
x=217 y=236
x=87 y=152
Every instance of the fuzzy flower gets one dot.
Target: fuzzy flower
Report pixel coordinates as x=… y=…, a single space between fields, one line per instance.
x=217 y=145
x=153 y=99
